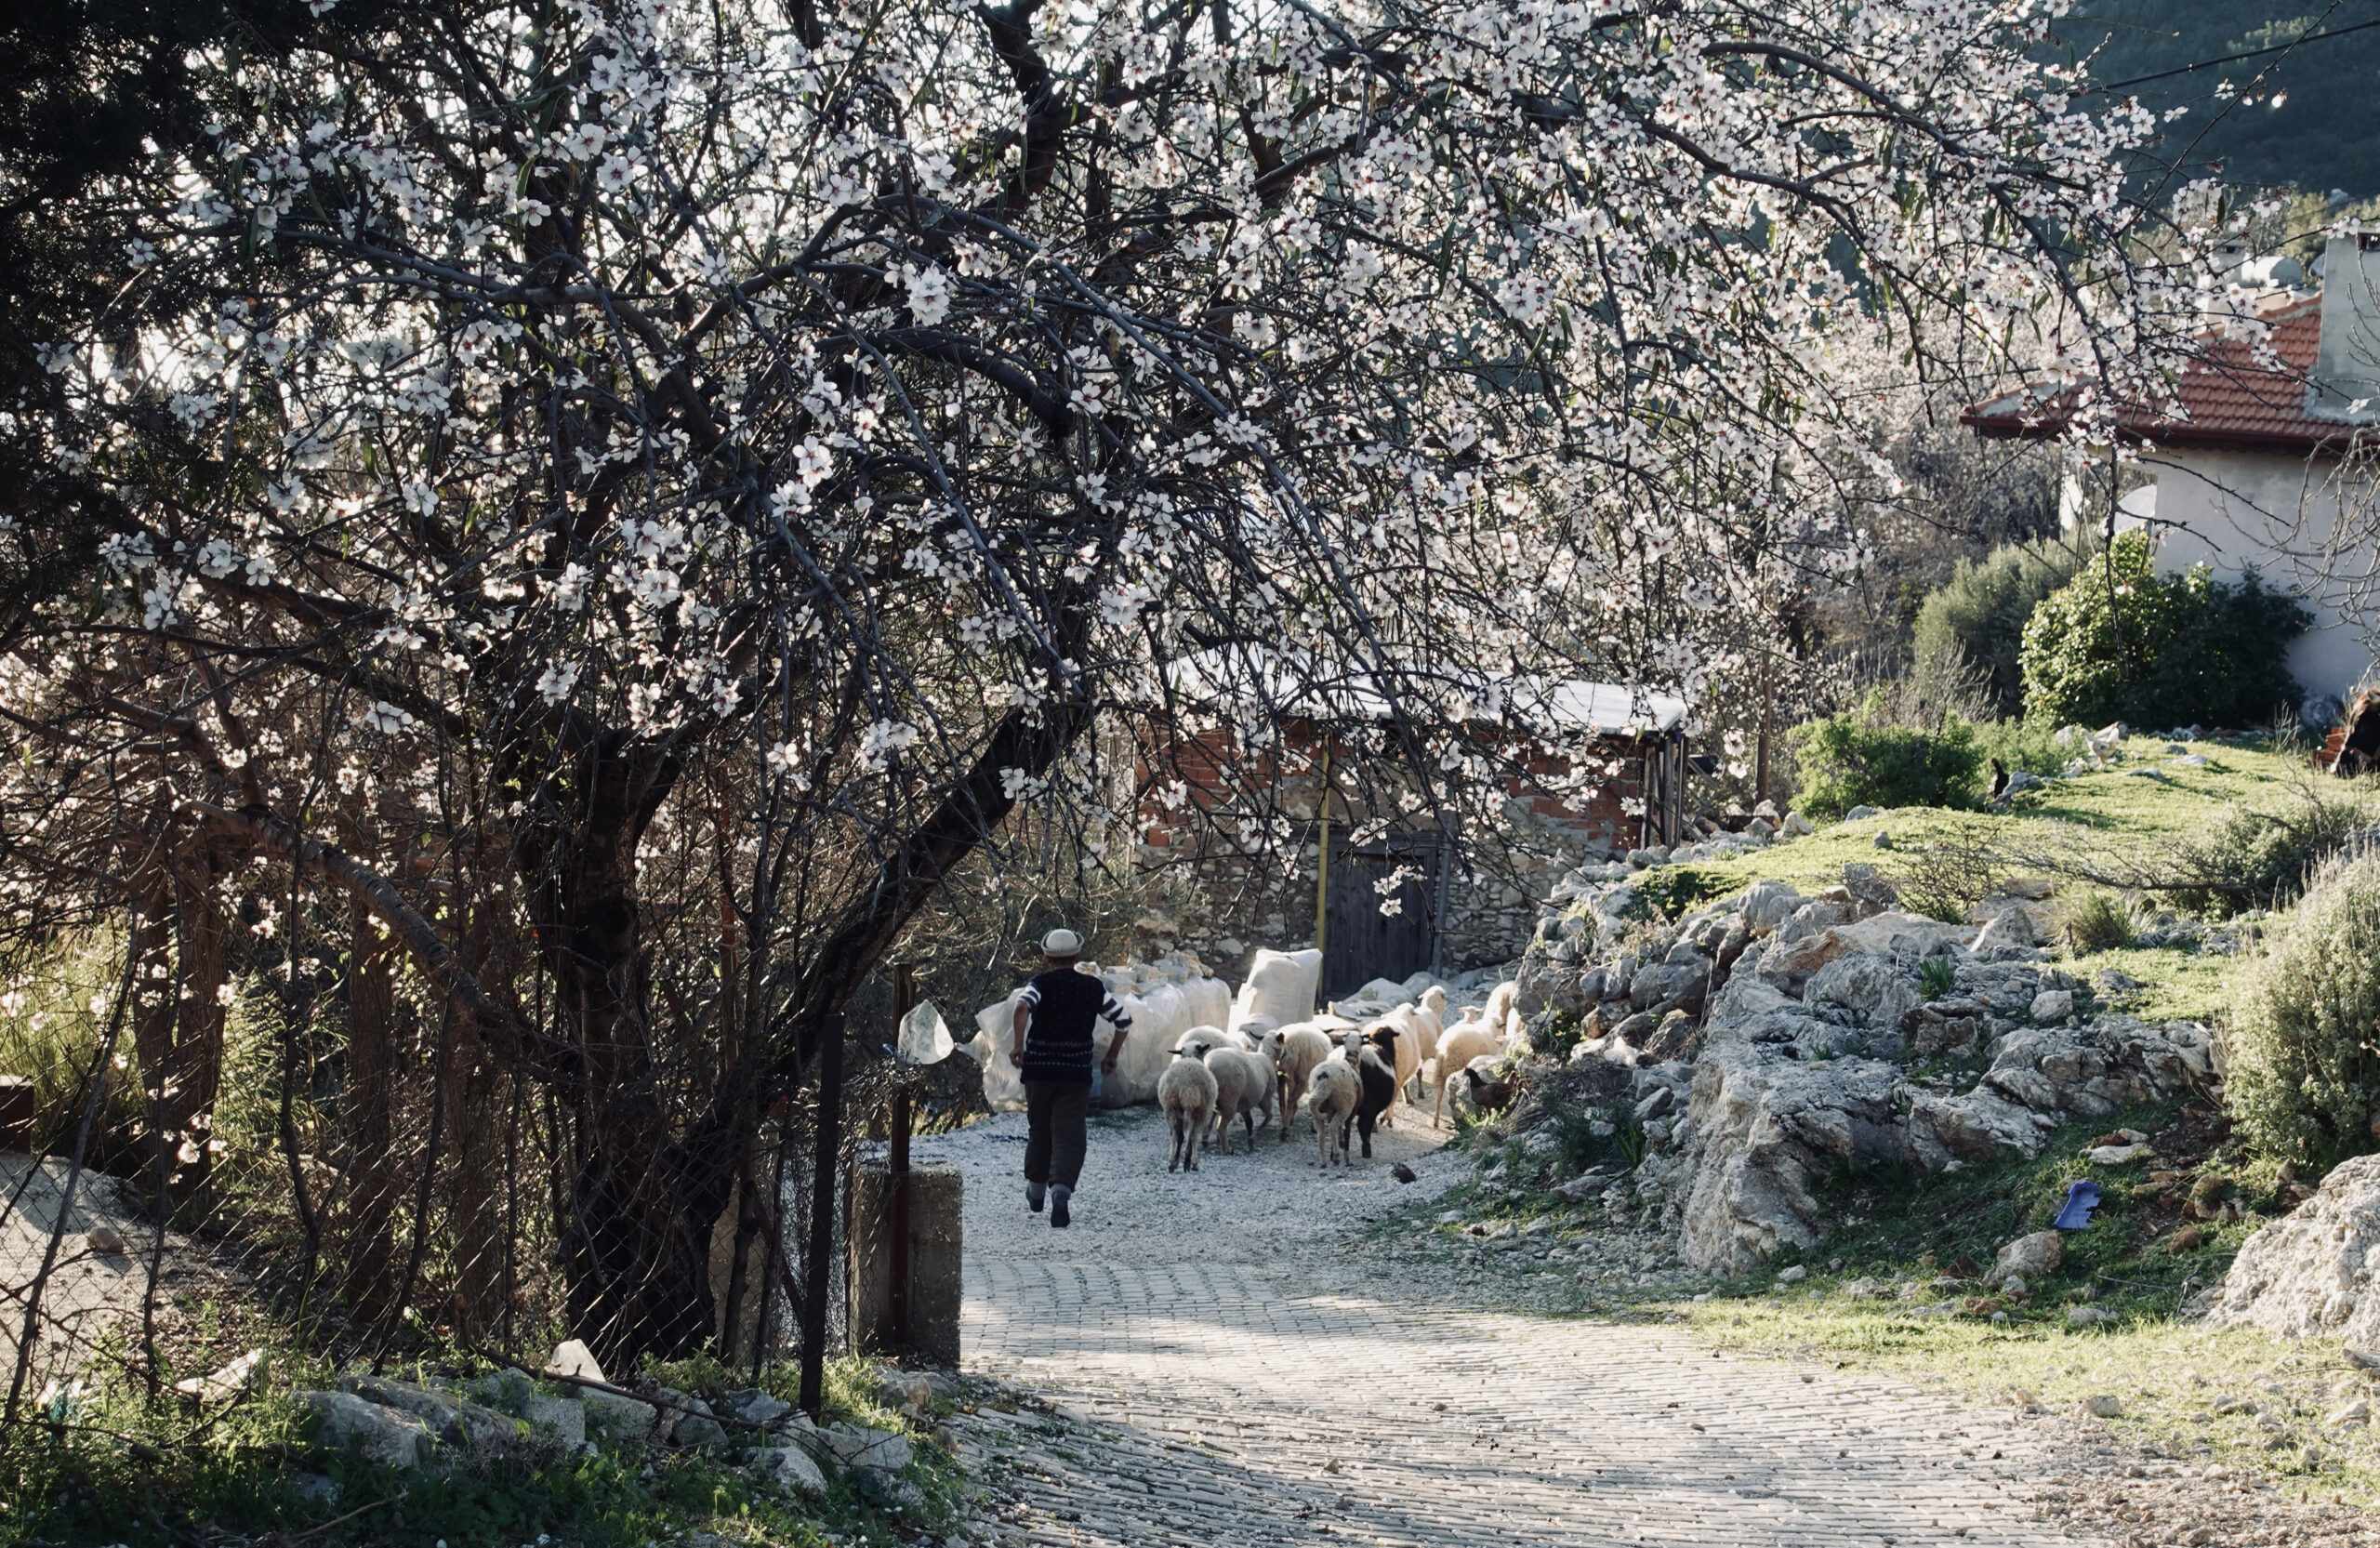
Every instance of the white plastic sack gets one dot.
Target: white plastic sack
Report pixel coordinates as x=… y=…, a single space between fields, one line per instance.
x=1206 y=1001
x=1159 y=1021
x=1280 y=984
x=924 y=1038
x=1003 y=1088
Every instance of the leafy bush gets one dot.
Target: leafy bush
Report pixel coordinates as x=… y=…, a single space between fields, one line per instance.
x=2096 y=922
x=2304 y=1077
x=1851 y=760
x=2185 y=649
x=2031 y=746
x=2255 y=858
x=1979 y=616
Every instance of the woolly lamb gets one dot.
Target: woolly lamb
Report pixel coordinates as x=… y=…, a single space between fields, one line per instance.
x=1187 y=1091
x=1333 y=1092
x=1301 y=1048
x=1466 y=1042
x=1403 y=1052
x=1246 y=1086
x=1430 y=1018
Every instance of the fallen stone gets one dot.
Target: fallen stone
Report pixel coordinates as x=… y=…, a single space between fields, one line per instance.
x=2116 y=1154
x=2105 y=1405
x=1792 y=1275
x=2030 y=1257
x=686 y=1420
x=754 y=1406
x=572 y=1357
x=557 y=1418
x=1860 y=814
x=616 y=1420
x=2086 y=1317
x=105 y=1241
x=855 y=1446
x=233 y=1381
x=2316 y=1270
x=1766 y=905
x=2053 y=1005
x=379 y=1435
x=456 y=1420
x=2357 y=1412
x=789 y=1470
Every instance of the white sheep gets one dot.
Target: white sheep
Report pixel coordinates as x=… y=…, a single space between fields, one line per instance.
x=1464 y=1041
x=1501 y=1000
x=1247 y=1086
x=1430 y=1016
x=1187 y=1091
x=1332 y=1091
x=1302 y=1046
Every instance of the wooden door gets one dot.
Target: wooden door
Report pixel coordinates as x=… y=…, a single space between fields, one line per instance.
x=1361 y=943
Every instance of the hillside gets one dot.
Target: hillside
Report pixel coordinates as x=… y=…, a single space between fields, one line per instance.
x=2318 y=136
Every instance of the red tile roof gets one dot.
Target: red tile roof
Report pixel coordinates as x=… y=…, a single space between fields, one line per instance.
x=2229 y=399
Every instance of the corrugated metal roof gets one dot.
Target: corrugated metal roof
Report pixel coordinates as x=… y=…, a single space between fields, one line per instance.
x=2229 y=399
x=1293 y=683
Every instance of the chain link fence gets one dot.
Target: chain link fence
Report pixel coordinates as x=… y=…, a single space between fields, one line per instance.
x=328 y=1161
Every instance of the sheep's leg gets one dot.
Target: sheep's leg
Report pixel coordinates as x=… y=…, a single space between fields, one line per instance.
x=1366 y=1125
x=1193 y=1141
x=1173 y=1142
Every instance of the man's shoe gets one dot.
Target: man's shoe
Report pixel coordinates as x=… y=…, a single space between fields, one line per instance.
x=1033 y=1197
x=1058 y=1197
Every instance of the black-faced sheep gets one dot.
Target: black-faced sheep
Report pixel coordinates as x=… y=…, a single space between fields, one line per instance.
x=1187 y=1091
x=1377 y=1077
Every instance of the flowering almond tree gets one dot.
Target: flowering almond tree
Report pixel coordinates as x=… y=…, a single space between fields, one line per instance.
x=593 y=511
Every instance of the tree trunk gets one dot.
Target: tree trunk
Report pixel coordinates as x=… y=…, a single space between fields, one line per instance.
x=371 y=1070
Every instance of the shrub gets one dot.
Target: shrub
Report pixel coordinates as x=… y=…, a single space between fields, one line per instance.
x=1850 y=759
x=2253 y=858
x=2186 y=650
x=2031 y=746
x=2096 y=922
x=2304 y=1076
x=1979 y=616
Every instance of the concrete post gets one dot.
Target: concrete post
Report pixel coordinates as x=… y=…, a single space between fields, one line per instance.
x=936 y=1243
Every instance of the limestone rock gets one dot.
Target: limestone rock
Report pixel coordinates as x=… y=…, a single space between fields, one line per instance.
x=755 y=1406
x=614 y=1419
x=572 y=1357
x=1788 y=964
x=455 y=1420
x=558 y=1419
x=2028 y=1257
x=380 y=1435
x=1866 y=984
x=686 y=1420
x=1766 y=905
x=2105 y=1405
x=105 y=1241
x=2316 y=1270
x=2053 y=1005
x=789 y=1470
x=1766 y=1133
x=857 y=1446
x=235 y=1380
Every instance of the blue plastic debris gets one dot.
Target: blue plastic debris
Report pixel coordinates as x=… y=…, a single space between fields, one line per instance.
x=2081 y=1199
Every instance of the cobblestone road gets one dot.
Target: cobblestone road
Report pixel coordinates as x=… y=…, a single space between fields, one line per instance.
x=1232 y=1371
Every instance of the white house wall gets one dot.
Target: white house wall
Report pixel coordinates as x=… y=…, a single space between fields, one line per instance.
x=2234 y=511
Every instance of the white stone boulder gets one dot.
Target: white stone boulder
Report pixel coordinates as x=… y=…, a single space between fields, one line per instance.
x=1866 y=984
x=789 y=1470
x=379 y=1435
x=2316 y=1270
x=2028 y=1258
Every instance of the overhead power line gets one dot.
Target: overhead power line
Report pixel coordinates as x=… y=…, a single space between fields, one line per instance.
x=2234 y=58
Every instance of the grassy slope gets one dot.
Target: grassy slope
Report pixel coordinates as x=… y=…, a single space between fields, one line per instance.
x=2109 y=812
x=1903 y=1227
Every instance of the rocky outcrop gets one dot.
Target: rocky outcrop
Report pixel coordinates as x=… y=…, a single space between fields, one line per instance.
x=2317 y=1271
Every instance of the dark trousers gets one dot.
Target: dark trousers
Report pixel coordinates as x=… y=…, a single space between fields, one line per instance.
x=1054 y=1113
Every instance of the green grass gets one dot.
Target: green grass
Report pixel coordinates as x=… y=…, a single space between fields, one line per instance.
x=119 y=1471
x=2105 y=807
x=1902 y=1227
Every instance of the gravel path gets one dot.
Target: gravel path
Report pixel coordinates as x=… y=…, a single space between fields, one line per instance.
x=1235 y=1362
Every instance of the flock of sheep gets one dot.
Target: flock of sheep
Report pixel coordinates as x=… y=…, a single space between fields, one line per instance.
x=1210 y=1058
x=1348 y=1073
